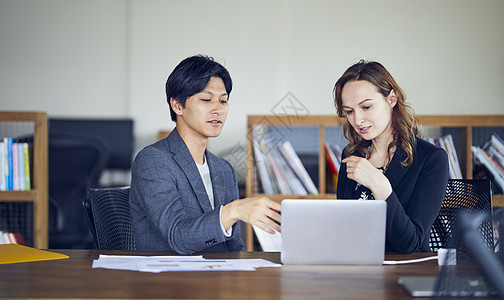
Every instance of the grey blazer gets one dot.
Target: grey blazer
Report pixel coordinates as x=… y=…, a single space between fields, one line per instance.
x=169 y=205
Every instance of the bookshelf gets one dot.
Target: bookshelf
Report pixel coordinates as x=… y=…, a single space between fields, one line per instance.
x=465 y=125
x=38 y=195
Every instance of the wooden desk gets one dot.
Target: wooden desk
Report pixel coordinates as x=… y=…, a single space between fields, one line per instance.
x=74 y=278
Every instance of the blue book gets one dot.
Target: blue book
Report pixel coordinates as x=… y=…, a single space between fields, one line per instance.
x=10 y=177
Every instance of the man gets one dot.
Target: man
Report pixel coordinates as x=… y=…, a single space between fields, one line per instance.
x=183 y=198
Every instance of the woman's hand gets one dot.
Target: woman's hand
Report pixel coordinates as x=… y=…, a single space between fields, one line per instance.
x=363 y=172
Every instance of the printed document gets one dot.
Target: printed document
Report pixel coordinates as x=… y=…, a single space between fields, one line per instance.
x=156 y=264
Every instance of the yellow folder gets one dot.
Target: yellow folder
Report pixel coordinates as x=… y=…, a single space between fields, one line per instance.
x=14 y=253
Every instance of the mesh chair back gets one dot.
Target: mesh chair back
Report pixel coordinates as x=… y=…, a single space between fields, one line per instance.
x=112 y=218
x=462 y=194
x=75 y=164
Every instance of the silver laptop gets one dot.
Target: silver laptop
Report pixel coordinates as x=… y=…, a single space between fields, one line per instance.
x=343 y=232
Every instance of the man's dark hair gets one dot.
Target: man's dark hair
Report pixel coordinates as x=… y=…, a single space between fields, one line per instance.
x=191 y=76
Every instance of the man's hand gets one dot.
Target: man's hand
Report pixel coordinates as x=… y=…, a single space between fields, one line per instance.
x=259 y=211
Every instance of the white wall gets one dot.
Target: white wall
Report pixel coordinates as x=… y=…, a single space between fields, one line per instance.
x=68 y=58
x=111 y=58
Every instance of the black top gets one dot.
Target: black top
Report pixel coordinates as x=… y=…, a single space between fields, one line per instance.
x=417 y=193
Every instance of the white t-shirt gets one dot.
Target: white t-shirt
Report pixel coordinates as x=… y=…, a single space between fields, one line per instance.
x=207 y=181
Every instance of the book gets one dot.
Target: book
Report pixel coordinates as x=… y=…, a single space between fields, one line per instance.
x=15 y=253
x=2 y=166
x=4 y=237
x=12 y=238
x=495 y=149
x=295 y=185
x=452 y=156
x=296 y=164
x=21 y=168
x=331 y=159
x=446 y=143
x=27 y=173
x=283 y=186
x=9 y=177
x=337 y=152
x=486 y=161
x=19 y=238
x=262 y=167
x=499 y=159
x=498 y=142
x=271 y=173
x=15 y=167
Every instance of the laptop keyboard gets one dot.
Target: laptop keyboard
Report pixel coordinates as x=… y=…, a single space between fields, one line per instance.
x=462 y=280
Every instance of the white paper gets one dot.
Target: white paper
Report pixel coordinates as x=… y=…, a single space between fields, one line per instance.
x=269 y=242
x=156 y=264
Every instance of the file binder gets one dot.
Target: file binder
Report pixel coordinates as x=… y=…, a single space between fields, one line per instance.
x=14 y=253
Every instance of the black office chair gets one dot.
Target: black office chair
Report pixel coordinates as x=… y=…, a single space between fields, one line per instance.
x=75 y=164
x=462 y=194
x=109 y=218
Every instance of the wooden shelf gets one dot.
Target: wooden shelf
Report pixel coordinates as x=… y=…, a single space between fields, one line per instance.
x=465 y=122
x=39 y=193
x=18 y=196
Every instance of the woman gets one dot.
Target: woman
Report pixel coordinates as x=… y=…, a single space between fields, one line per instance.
x=386 y=159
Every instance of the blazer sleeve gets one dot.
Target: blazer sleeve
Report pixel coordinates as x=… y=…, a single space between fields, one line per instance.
x=234 y=242
x=409 y=224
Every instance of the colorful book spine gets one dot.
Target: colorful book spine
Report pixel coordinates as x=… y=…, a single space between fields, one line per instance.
x=2 y=166
x=331 y=159
x=27 y=172
x=262 y=166
x=10 y=171
x=21 y=167
x=270 y=168
x=486 y=161
x=15 y=167
x=295 y=185
x=282 y=183
x=298 y=167
x=447 y=144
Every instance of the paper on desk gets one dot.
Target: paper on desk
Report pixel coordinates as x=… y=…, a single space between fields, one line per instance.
x=269 y=242
x=130 y=262
x=158 y=264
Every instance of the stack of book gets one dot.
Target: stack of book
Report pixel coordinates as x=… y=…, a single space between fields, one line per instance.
x=333 y=159
x=11 y=238
x=281 y=170
x=489 y=162
x=446 y=142
x=14 y=165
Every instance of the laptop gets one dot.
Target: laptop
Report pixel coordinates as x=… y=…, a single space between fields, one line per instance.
x=478 y=272
x=333 y=232
x=458 y=286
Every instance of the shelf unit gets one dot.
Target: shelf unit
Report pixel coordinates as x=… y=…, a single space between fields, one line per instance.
x=38 y=195
x=465 y=123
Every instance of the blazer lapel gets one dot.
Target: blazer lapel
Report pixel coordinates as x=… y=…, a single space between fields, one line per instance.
x=396 y=171
x=183 y=158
